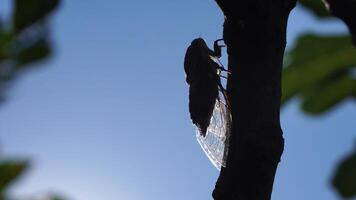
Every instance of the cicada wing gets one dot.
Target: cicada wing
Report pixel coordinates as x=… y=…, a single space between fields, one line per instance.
x=215 y=143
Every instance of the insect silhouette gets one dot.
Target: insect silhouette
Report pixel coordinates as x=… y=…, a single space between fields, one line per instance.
x=208 y=102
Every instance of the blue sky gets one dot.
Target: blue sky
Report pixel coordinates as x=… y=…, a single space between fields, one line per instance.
x=106 y=118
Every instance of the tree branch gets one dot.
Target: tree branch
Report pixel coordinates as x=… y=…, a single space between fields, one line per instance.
x=346 y=11
x=255 y=35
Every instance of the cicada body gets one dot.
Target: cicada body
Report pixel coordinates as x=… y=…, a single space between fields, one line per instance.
x=201 y=77
x=208 y=103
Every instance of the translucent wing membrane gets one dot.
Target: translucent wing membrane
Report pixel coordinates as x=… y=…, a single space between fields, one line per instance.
x=215 y=143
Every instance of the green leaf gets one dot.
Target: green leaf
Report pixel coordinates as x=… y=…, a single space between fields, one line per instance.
x=50 y=197
x=6 y=37
x=316 y=6
x=55 y=198
x=314 y=61
x=345 y=177
x=1 y=24
x=34 y=53
x=10 y=171
x=326 y=96
x=309 y=45
x=28 y=12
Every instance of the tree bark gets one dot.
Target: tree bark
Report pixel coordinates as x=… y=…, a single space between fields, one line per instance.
x=255 y=35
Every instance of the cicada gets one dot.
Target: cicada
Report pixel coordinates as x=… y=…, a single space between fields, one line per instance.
x=208 y=102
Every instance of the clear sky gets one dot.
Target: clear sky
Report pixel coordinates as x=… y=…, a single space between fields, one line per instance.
x=107 y=117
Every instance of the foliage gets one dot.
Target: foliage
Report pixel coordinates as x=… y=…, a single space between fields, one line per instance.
x=315 y=6
x=345 y=178
x=9 y=172
x=23 y=41
x=31 y=11
x=320 y=72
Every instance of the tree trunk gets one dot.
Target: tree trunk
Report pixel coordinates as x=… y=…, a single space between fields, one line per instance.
x=255 y=35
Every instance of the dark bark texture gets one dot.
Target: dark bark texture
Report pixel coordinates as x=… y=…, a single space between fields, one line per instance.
x=255 y=35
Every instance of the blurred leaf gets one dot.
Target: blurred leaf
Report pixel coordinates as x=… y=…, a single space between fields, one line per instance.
x=328 y=95
x=345 y=177
x=313 y=62
x=5 y=38
x=49 y=197
x=309 y=45
x=56 y=198
x=1 y=24
x=34 y=53
x=28 y=12
x=316 y=6
x=17 y=50
x=9 y=171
